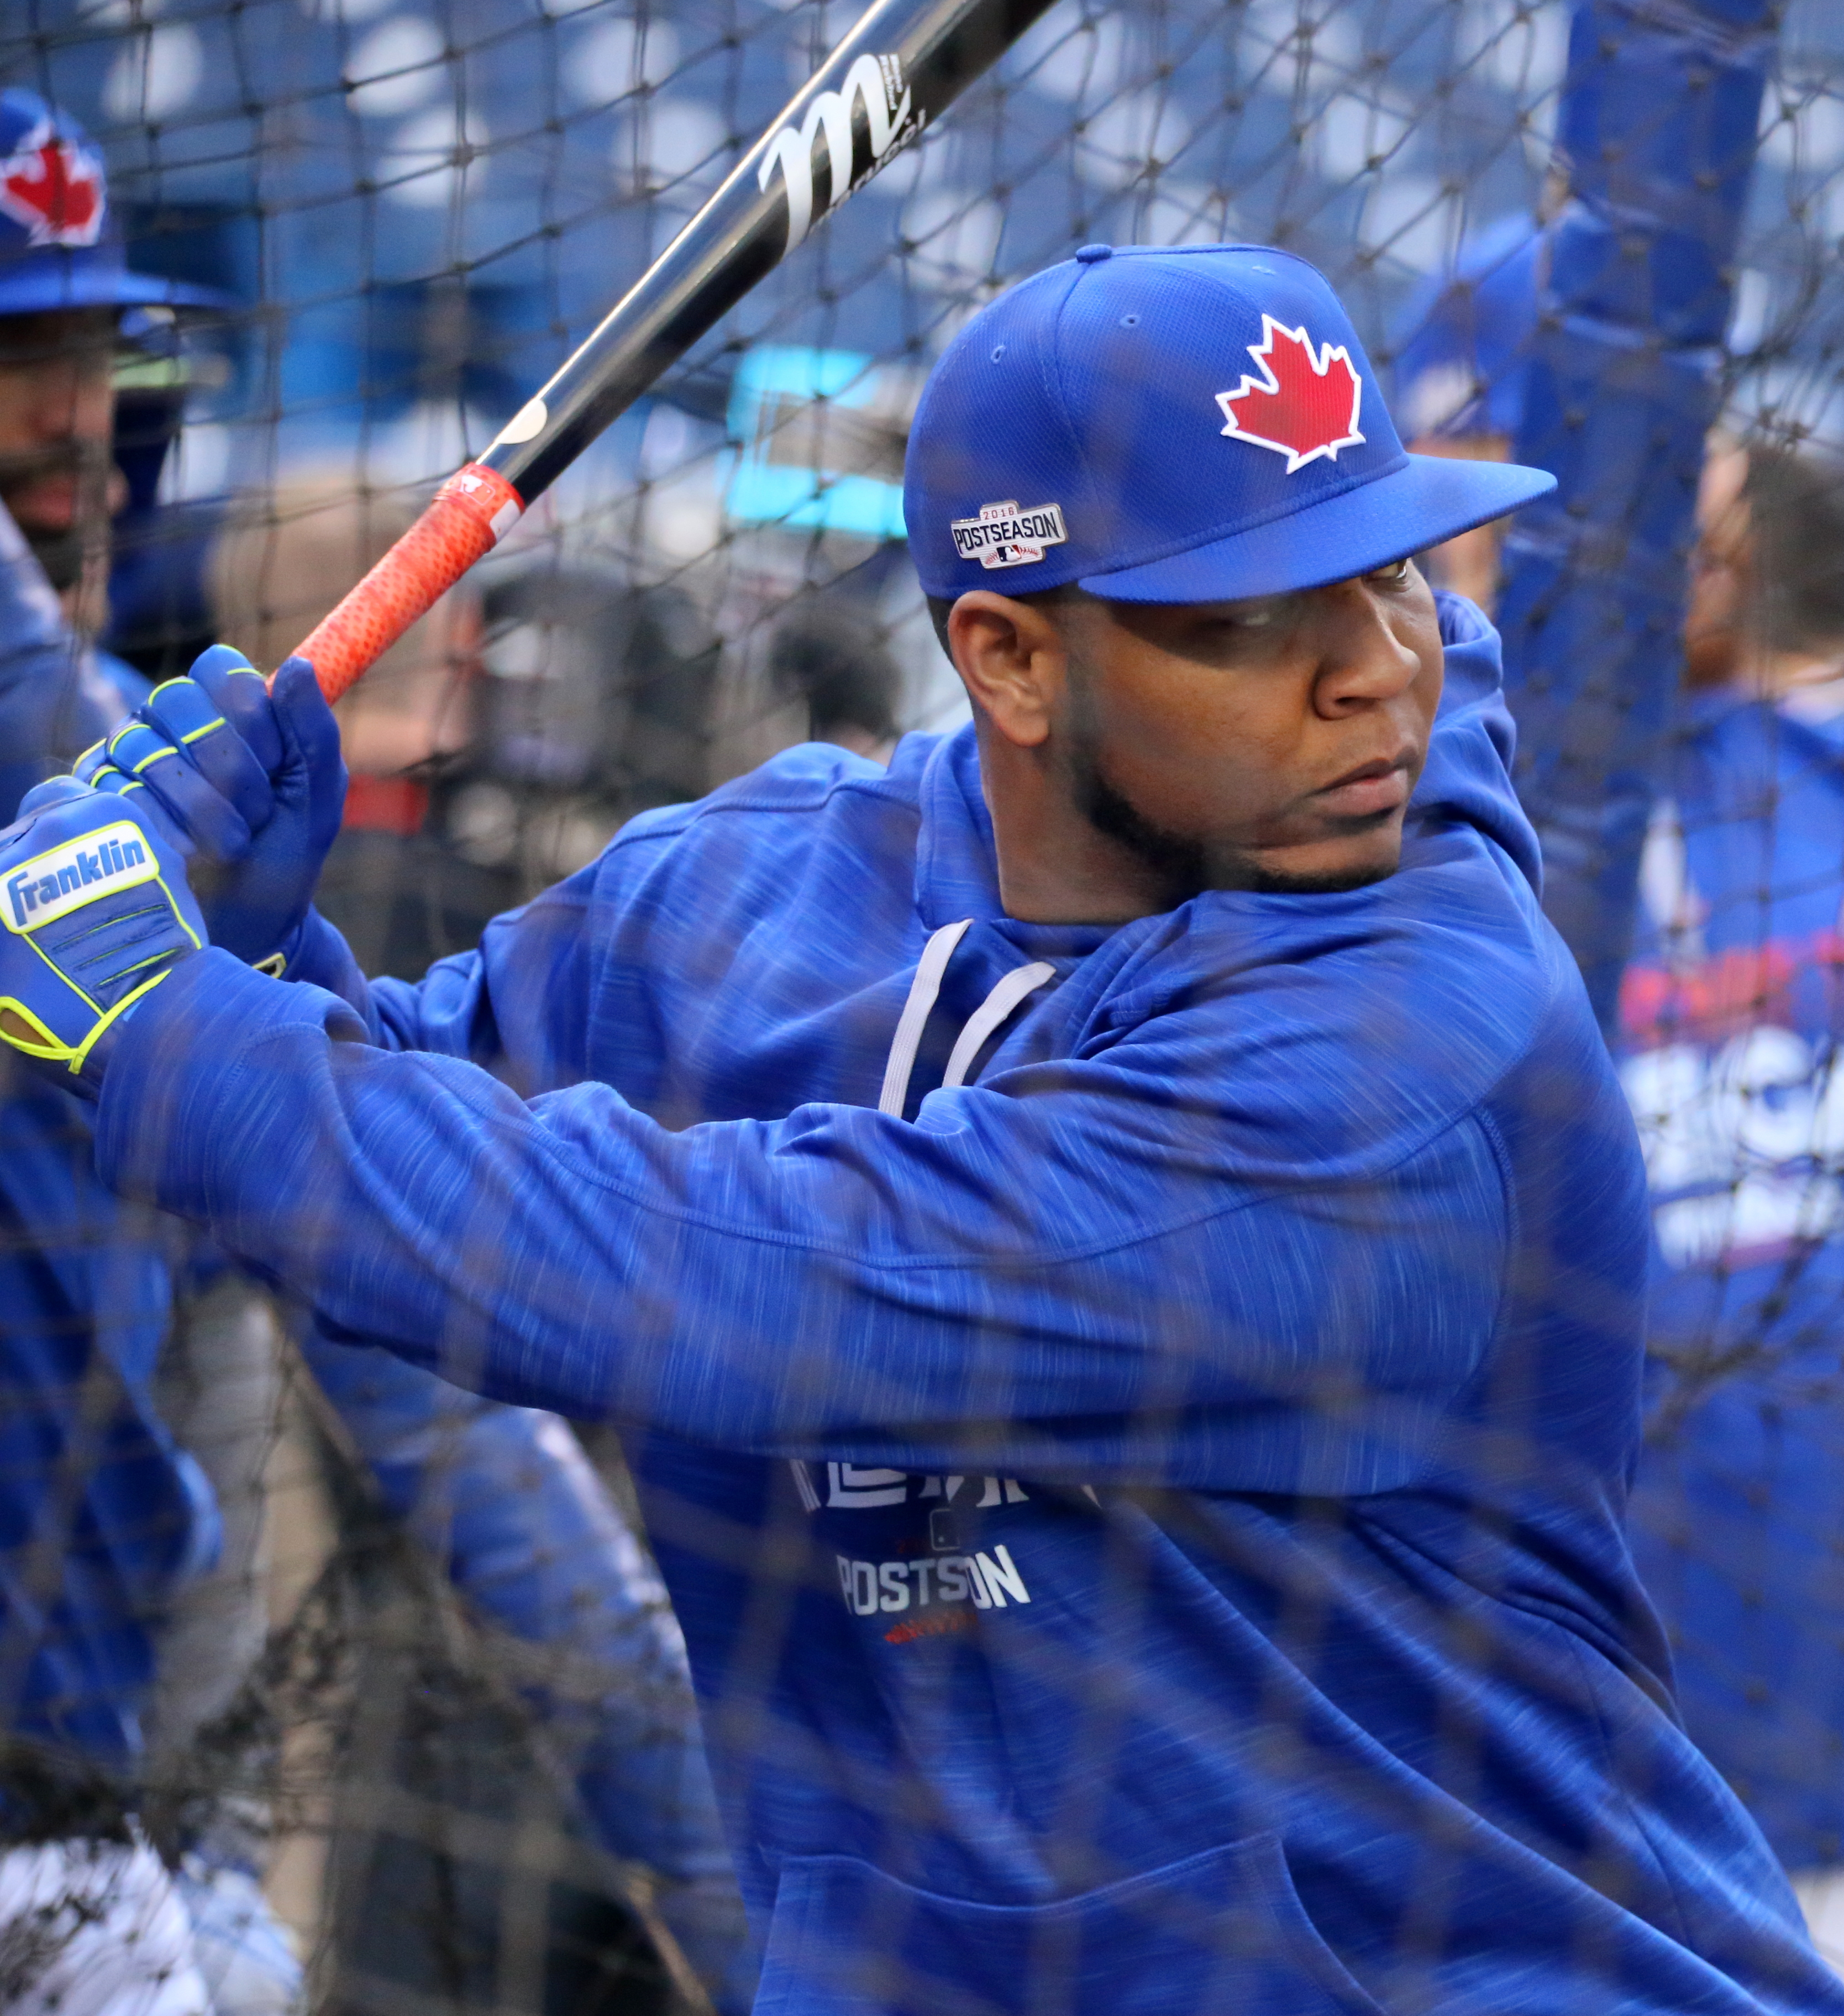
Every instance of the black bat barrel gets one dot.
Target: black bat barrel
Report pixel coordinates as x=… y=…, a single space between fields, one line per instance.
x=902 y=65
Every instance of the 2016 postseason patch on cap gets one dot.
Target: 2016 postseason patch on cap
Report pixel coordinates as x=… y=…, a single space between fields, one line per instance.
x=1004 y=536
x=1198 y=424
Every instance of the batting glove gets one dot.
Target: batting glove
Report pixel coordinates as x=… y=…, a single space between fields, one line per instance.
x=97 y=914
x=247 y=783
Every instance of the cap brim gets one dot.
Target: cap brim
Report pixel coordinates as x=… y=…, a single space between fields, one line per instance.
x=1427 y=499
x=52 y=286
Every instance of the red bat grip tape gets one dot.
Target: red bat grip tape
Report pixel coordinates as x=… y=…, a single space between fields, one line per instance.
x=470 y=514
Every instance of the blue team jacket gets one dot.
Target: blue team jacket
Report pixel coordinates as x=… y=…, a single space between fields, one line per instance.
x=1731 y=1013
x=1146 y=1519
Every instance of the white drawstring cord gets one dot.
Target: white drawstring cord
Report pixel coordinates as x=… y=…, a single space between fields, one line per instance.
x=923 y=990
x=1022 y=980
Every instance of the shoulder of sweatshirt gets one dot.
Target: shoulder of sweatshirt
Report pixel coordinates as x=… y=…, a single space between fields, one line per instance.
x=815 y=828
x=1359 y=1027
x=1367 y=1021
x=807 y=778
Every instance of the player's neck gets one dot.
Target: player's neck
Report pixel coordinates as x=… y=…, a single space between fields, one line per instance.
x=1054 y=867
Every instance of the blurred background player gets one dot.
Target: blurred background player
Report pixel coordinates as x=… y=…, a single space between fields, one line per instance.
x=1460 y=373
x=84 y=1294
x=497 y=747
x=1731 y=1016
x=132 y=1608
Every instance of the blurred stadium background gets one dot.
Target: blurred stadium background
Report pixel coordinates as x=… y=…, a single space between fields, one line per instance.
x=418 y=206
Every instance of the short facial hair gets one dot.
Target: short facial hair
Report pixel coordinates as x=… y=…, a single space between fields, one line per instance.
x=1186 y=866
x=62 y=553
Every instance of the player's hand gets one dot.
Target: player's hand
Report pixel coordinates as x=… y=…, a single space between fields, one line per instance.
x=248 y=783
x=97 y=913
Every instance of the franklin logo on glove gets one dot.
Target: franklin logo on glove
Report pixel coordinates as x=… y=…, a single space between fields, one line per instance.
x=97 y=913
x=56 y=883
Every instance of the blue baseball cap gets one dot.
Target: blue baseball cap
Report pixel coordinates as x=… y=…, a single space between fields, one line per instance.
x=1195 y=425
x=60 y=245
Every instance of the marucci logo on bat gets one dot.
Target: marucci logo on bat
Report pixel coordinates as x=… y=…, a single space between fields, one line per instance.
x=877 y=83
x=54 y=884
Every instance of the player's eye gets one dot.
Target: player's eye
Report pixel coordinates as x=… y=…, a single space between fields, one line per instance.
x=1235 y=618
x=1395 y=575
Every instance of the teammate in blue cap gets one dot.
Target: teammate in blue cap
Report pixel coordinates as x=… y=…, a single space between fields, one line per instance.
x=84 y=1284
x=65 y=293
x=1116 y=1244
x=107 y=1525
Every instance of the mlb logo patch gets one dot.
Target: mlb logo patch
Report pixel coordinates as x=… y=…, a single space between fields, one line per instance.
x=54 y=188
x=1004 y=536
x=1306 y=403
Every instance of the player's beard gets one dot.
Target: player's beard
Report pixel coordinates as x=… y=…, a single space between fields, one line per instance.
x=62 y=550
x=1186 y=866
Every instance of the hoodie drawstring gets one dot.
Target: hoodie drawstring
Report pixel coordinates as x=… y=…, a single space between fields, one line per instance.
x=924 y=989
x=1022 y=980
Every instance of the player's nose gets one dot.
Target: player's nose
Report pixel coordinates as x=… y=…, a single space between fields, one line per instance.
x=1363 y=663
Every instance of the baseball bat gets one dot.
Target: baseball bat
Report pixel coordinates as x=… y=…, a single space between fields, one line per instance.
x=899 y=69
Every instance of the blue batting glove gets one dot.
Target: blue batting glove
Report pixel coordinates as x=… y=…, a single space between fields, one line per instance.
x=97 y=914
x=246 y=784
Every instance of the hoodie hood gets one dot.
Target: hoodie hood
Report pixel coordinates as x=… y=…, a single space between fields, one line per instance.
x=1383 y=1012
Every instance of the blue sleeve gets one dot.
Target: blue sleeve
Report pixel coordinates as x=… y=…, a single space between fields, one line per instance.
x=512 y=997
x=1069 y=1271
x=53 y=702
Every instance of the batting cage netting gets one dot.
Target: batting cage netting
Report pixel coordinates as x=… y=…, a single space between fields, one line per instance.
x=1081 y=1620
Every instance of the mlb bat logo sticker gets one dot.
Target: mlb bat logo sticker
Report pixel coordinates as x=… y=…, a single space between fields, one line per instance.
x=1306 y=403
x=1004 y=536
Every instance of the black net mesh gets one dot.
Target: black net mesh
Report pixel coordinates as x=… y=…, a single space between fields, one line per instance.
x=430 y=1700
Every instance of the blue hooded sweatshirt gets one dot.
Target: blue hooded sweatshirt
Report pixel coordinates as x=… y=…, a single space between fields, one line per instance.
x=1136 y=1422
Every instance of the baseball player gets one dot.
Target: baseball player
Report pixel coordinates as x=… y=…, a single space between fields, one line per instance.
x=1115 y=1243
x=106 y=1523
x=103 y=1517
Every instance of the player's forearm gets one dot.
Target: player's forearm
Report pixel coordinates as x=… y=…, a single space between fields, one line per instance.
x=762 y=1287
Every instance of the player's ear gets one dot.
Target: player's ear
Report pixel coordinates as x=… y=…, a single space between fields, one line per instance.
x=1010 y=657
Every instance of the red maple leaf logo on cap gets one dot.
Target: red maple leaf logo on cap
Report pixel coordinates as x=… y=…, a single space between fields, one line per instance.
x=53 y=188
x=1305 y=404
